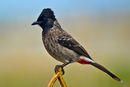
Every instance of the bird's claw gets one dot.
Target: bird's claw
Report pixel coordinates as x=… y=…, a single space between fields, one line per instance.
x=57 y=69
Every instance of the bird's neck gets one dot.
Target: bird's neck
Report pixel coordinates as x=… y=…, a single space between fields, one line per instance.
x=56 y=24
x=50 y=25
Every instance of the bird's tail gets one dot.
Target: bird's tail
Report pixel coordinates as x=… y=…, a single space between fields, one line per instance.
x=106 y=71
x=85 y=60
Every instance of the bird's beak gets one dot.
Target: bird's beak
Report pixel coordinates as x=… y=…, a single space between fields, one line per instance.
x=36 y=23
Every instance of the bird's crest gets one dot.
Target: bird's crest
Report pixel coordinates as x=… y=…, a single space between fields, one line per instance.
x=46 y=13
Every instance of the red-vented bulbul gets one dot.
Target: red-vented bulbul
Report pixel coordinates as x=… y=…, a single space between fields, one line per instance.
x=61 y=45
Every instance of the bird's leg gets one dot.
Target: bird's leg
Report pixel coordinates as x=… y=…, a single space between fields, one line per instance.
x=62 y=66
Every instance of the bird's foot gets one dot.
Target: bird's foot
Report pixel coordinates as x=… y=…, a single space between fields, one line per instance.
x=57 y=69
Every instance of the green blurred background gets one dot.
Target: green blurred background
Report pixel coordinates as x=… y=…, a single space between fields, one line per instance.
x=101 y=26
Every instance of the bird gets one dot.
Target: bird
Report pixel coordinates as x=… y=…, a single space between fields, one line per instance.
x=62 y=46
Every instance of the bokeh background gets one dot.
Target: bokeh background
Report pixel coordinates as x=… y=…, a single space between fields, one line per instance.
x=101 y=26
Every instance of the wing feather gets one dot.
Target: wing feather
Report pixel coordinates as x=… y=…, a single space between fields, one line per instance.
x=67 y=41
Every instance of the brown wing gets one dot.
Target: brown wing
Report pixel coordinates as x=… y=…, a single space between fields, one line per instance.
x=67 y=41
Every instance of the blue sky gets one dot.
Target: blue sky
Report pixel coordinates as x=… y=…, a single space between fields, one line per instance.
x=22 y=8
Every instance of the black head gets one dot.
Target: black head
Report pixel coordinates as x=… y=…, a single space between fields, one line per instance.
x=46 y=18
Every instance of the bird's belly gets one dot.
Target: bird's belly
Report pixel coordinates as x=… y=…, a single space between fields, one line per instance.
x=60 y=53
